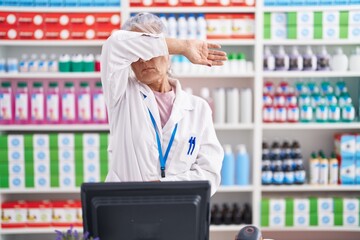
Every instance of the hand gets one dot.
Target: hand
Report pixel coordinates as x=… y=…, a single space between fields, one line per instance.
x=200 y=52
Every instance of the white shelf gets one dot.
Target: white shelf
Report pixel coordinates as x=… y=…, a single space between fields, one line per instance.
x=309 y=74
x=226 y=228
x=310 y=8
x=233 y=42
x=214 y=75
x=40 y=191
x=225 y=189
x=193 y=9
x=59 y=127
x=40 y=75
x=310 y=188
x=95 y=9
x=42 y=43
x=42 y=230
x=234 y=126
x=311 y=42
x=310 y=126
x=309 y=229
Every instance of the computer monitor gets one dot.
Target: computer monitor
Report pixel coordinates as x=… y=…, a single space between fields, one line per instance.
x=147 y=210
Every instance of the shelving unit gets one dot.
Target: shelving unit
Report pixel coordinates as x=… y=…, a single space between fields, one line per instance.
x=251 y=134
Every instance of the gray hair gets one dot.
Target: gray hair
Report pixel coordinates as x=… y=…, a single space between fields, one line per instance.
x=145 y=22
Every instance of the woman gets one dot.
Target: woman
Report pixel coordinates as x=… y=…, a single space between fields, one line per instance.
x=158 y=131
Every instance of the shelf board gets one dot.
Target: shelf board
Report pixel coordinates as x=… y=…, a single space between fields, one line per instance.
x=45 y=75
x=309 y=74
x=55 y=127
x=311 y=188
x=310 y=229
x=42 y=230
x=310 y=8
x=248 y=126
x=233 y=42
x=225 y=189
x=310 y=126
x=215 y=75
x=226 y=228
x=40 y=191
x=192 y=9
x=311 y=42
x=95 y=9
x=42 y=43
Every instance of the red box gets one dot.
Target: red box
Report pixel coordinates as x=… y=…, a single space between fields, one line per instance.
x=82 y=32
x=56 y=19
x=245 y=3
x=8 y=19
x=104 y=33
x=79 y=219
x=8 y=32
x=188 y=3
x=212 y=3
x=136 y=3
x=64 y=213
x=107 y=19
x=57 y=33
x=219 y=26
x=243 y=26
x=30 y=33
x=13 y=214
x=39 y=214
x=161 y=3
x=30 y=19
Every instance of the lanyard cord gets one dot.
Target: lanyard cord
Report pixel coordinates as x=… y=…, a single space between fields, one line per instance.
x=162 y=157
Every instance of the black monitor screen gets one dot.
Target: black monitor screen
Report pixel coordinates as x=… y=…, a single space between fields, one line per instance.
x=147 y=210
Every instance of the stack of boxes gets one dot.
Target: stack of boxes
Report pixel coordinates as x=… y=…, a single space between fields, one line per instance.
x=314 y=212
x=52 y=160
x=347 y=148
x=312 y=25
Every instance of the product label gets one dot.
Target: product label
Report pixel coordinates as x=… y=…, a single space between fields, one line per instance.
x=278 y=177
x=5 y=106
x=40 y=216
x=14 y=215
x=21 y=106
x=37 y=106
x=52 y=107
x=300 y=176
x=84 y=107
x=266 y=177
x=99 y=107
x=63 y=215
x=289 y=177
x=68 y=106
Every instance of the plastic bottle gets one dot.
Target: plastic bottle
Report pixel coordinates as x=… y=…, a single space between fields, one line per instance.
x=84 y=103
x=269 y=60
x=201 y=27
x=24 y=63
x=295 y=149
x=285 y=149
x=348 y=113
x=246 y=105
x=339 y=62
x=219 y=105
x=309 y=60
x=89 y=63
x=306 y=113
x=275 y=149
x=182 y=26
x=12 y=65
x=242 y=166
x=97 y=62
x=323 y=60
x=53 y=103
x=324 y=169
x=232 y=63
x=205 y=94
x=68 y=107
x=77 y=63
x=232 y=106
x=300 y=174
x=53 y=65
x=163 y=19
x=354 y=61
x=333 y=169
x=321 y=113
x=173 y=26
x=64 y=63
x=228 y=167
x=266 y=173
x=241 y=62
x=281 y=60
x=22 y=103
x=265 y=149
x=33 y=63
x=334 y=114
x=278 y=173
x=191 y=26
x=6 y=103
x=295 y=60
x=37 y=103
x=2 y=65
x=289 y=177
x=98 y=103
x=314 y=169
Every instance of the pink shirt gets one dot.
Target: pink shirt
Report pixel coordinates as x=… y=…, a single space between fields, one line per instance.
x=165 y=103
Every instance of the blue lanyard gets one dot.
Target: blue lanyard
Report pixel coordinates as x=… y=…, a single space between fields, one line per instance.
x=162 y=157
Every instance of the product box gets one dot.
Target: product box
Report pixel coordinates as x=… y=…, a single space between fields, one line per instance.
x=30 y=19
x=67 y=174
x=66 y=155
x=16 y=155
x=325 y=219
x=212 y=2
x=13 y=214
x=278 y=32
x=64 y=213
x=347 y=205
x=218 y=26
x=351 y=219
x=52 y=20
x=133 y=3
x=15 y=141
x=325 y=205
x=301 y=220
x=91 y=140
x=91 y=165
x=331 y=18
x=30 y=33
x=82 y=32
x=57 y=33
x=331 y=32
x=357 y=160
x=104 y=33
x=56 y=3
x=278 y=19
x=345 y=147
x=16 y=181
x=8 y=19
x=301 y=206
x=354 y=32
x=277 y=206
x=277 y=220
x=41 y=141
x=7 y=32
x=39 y=214
x=300 y=32
x=66 y=140
x=243 y=26
x=354 y=17
x=300 y=18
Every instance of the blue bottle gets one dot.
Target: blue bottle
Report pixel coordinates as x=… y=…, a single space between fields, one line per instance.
x=242 y=166
x=228 y=167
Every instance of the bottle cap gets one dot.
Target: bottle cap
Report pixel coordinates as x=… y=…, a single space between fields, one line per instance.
x=69 y=84
x=43 y=56
x=22 y=84
x=308 y=51
x=5 y=84
x=241 y=149
x=240 y=56
x=84 y=84
x=333 y=155
x=339 y=51
x=313 y=155
x=324 y=51
x=76 y=58
x=98 y=84
x=24 y=56
x=295 y=51
x=53 y=56
x=89 y=57
x=267 y=51
x=227 y=149
x=205 y=92
x=231 y=56
x=33 y=56
x=37 y=84
x=281 y=50
x=53 y=84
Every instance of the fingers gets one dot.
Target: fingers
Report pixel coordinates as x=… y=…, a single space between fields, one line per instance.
x=217 y=57
x=217 y=63
x=213 y=45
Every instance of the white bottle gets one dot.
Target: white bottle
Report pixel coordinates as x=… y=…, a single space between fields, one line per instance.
x=339 y=62
x=33 y=63
x=192 y=28
x=182 y=26
x=24 y=63
x=219 y=105
x=175 y=64
x=269 y=60
x=296 y=60
x=12 y=65
x=172 y=26
x=162 y=17
x=53 y=63
x=246 y=106
x=309 y=60
x=43 y=63
x=354 y=63
x=241 y=60
x=2 y=65
x=281 y=60
x=205 y=94
x=201 y=27
x=232 y=106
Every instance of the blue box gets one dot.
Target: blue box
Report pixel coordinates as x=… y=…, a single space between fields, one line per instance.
x=56 y=3
x=325 y=2
x=71 y=3
x=26 y=3
x=313 y=2
x=283 y=2
x=41 y=3
x=115 y=3
x=84 y=3
x=11 y=3
x=270 y=3
x=298 y=3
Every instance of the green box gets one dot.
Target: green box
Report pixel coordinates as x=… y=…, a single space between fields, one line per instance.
x=264 y=220
x=53 y=141
x=313 y=205
x=344 y=18
x=292 y=32
x=29 y=168
x=338 y=205
x=267 y=19
x=267 y=32
x=3 y=141
x=344 y=32
x=318 y=32
x=292 y=18
x=289 y=220
x=318 y=18
x=79 y=166
x=265 y=206
x=28 y=141
x=338 y=219
x=313 y=220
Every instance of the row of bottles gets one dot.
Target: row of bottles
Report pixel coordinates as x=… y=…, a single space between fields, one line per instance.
x=282 y=164
x=54 y=63
x=52 y=103
x=323 y=171
x=306 y=102
x=227 y=215
x=235 y=168
x=309 y=61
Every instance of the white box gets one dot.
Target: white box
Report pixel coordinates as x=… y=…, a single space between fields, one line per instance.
x=15 y=141
x=325 y=205
x=351 y=205
x=91 y=172
x=354 y=32
x=305 y=32
x=331 y=32
x=278 y=19
x=67 y=181
x=41 y=141
x=351 y=219
x=16 y=168
x=278 y=32
x=41 y=169
x=277 y=220
x=305 y=18
x=277 y=206
x=66 y=140
x=16 y=182
x=41 y=155
x=354 y=17
x=66 y=154
x=301 y=206
x=301 y=220
x=91 y=140
x=16 y=155
x=325 y=219
x=331 y=17
x=42 y=181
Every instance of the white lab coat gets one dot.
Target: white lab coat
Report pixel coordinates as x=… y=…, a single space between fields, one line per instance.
x=132 y=147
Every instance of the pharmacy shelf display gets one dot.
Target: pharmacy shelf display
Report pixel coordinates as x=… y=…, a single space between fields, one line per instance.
x=253 y=132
